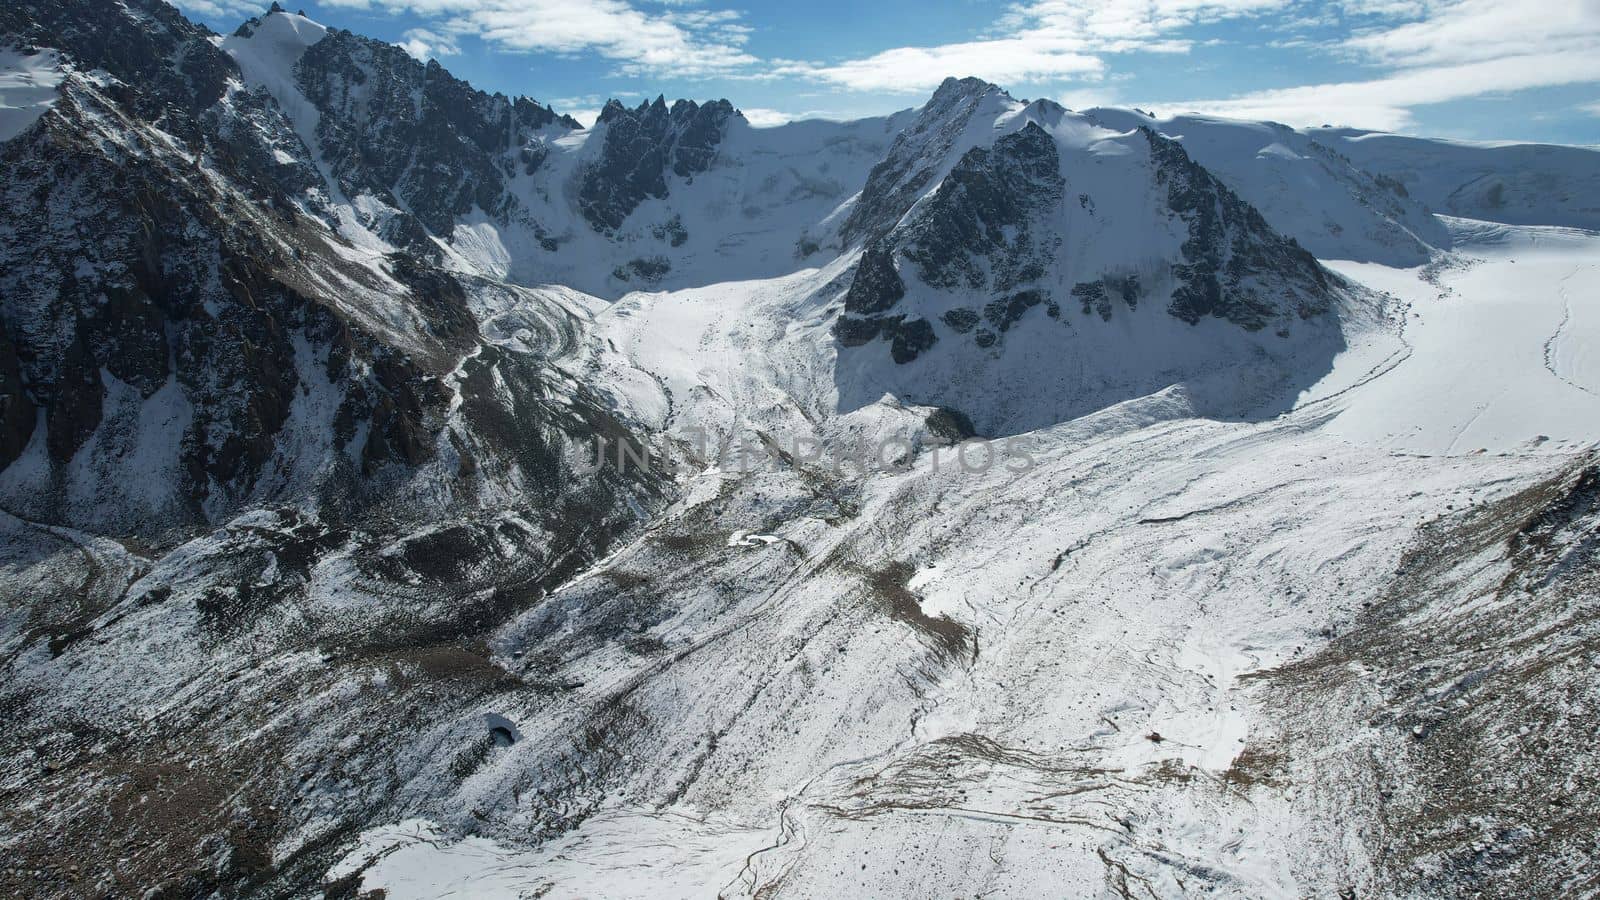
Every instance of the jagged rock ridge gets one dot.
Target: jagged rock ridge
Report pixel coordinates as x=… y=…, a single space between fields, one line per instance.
x=642 y=146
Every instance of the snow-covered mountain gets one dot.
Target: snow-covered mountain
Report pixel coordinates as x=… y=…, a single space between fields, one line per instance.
x=1304 y=186
x=1093 y=264
x=403 y=488
x=1517 y=184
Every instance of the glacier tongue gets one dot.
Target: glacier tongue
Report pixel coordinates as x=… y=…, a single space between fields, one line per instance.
x=1002 y=679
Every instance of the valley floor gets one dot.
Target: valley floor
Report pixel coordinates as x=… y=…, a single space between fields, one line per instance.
x=1060 y=677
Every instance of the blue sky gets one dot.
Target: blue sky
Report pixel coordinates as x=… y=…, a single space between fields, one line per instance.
x=1478 y=69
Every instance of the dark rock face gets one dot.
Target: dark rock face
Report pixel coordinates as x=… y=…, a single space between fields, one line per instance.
x=1231 y=253
x=977 y=231
x=671 y=231
x=907 y=338
x=1096 y=296
x=1092 y=294
x=877 y=286
x=894 y=184
x=699 y=131
x=645 y=270
x=641 y=146
x=415 y=136
x=159 y=281
x=853 y=332
x=212 y=303
x=995 y=224
x=17 y=415
x=982 y=229
x=166 y=61
x=950 y=426
x=911 y=338
x=961 y=320
x=1002 y=314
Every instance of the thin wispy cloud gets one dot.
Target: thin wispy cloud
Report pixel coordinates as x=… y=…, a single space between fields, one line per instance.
x=679 y=40
x=1388 y=103
x=426 y=44
x=1436 y=52
x=1046 y=41
x=1383 y=64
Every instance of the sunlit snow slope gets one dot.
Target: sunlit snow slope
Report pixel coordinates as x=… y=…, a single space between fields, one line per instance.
x=407 y=489
x=1007 y=683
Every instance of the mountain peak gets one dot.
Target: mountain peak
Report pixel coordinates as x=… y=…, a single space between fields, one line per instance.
x=953 y=88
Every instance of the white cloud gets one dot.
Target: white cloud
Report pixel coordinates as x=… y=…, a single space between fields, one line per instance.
x=1464 y=31
x=684 y=43
x=220 y=9
x=1117 y=25
x=1436 y=52
x=425 y=44
x=918 y=69
x=1386 y=103
x=766 y=118
x=1592 y=109
x=1047 y=40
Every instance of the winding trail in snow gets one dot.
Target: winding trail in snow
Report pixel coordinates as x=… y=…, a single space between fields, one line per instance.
x=1550 y=346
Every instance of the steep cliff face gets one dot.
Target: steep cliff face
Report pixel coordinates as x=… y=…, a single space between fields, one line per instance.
x=185 y=330
x=921 y=153
x=1234 y=267
x=641 y=146
x=1304 y=187
x=411 y=149
x=414 y=135
x=1048 y=211
x=169 y=70
x=978 y=230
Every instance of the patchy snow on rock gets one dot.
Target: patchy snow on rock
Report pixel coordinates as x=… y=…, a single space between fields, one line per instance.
x=622 y=854
x=1303 y=187
x=988 y=499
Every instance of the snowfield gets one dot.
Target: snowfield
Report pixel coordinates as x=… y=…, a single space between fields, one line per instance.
x=404 y=489
x=27 y=88
x=1062 y=685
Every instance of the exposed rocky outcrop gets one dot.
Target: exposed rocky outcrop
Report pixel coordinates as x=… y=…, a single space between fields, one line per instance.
x=1005 y=312
x=916 y=157
x=992 y=225
x=1096 y=296
x=189 y=309
x=1236 y=267
x=415 y=136
x=907 y=338
x=876 y=286
x=979 y=230
x=641 y=147
x=167 y=67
